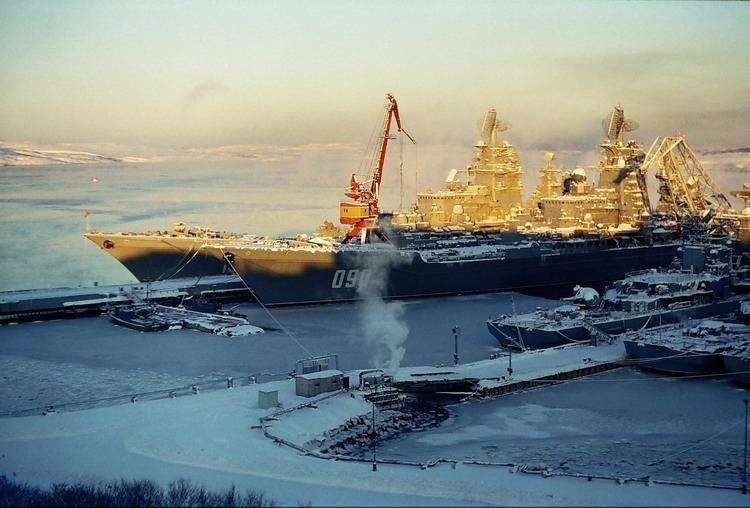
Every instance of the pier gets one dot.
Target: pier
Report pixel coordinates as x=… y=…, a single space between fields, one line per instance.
x=56 y=303
x=511 y=372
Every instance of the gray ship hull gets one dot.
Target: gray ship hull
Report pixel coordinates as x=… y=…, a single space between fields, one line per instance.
x=302 y=278
x=674 y=362
x=739 y=367
x=153 y=258
x=510 y=335
x=280 y=276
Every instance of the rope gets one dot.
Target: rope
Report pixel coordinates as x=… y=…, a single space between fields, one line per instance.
x=281 y=327
x=180 y=262
x=699 y=443
x=665 y=378
x=574 y=341
x=371 y=148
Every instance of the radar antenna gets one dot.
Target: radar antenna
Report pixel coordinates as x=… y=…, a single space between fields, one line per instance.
x=491 y=126
x=548 y=158
x=615 y=125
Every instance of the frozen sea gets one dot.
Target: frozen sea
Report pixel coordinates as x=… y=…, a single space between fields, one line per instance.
x=617 y=423
x=623 y=423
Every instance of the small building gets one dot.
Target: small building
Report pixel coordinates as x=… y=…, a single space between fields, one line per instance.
x=268 y=399
x=315 y=383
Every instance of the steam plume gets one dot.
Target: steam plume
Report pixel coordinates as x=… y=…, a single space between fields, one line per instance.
x=384 y=328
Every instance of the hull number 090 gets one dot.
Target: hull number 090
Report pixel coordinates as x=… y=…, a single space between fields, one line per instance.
x=350 y=278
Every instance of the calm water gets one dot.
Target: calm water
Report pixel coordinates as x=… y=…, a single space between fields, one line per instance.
x=42 y=220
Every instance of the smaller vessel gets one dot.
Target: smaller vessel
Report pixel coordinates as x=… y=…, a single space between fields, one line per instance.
x=150 y=317
x=642 y=300
x=140 y=317
x=688 y=350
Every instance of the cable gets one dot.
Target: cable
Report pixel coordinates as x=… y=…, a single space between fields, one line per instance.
x=741 y=420
x=282 y=327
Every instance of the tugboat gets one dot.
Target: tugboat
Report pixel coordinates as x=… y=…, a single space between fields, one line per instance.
x=688 y=350
x=641 y=300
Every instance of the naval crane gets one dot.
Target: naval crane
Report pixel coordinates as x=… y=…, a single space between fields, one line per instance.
x=362 y=213
x=686 y=189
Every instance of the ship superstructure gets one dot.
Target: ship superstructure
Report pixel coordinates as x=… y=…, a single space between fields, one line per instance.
x=489 y=199
x=568 y=202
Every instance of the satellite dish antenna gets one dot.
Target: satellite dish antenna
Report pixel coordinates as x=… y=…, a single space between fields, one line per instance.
x=615 y=125
x=491 y=126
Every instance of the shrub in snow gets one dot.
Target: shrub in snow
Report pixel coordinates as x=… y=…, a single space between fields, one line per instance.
x=126 y=493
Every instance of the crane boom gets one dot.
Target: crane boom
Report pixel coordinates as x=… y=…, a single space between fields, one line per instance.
x=365 y=209
x=384 y=138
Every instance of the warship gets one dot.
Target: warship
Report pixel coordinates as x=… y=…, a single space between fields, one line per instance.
x=476 y=235
x=688 y=349
x=642 y=300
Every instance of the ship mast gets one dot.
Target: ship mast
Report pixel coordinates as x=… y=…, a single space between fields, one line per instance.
x=365 y=209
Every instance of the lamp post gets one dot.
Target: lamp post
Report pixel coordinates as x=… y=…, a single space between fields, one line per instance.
x=744 y=465
x=456 y=333
x=510 y=362
x=374 y=457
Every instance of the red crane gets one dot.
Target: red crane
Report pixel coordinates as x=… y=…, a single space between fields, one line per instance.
x=364 y=210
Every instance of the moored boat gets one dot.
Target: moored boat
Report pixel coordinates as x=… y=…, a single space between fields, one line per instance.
x=640 y=300
x=687 y=349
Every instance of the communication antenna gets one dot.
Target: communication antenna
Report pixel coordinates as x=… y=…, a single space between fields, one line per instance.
x=548 y=158
x=615 y=125
x=491 y=125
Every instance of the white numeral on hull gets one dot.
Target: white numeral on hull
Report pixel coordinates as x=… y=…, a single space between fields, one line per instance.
x=350 y=278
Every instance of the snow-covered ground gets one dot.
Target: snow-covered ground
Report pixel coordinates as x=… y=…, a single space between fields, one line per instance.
x=611 y=424
x=209 y=438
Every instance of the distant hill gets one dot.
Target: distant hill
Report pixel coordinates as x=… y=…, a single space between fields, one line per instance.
x=730 y=150
x=16 y=156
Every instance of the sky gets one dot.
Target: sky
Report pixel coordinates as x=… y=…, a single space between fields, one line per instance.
x=182 y=74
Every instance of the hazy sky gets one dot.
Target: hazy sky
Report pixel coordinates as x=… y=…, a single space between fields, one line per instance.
x=200 y=74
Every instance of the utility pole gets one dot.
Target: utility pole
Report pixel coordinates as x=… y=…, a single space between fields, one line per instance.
x=744 y=466
x=374 y=457
x=510 y=362
x=456 y=333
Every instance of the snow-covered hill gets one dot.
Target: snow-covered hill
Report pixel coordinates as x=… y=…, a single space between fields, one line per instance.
x=26 y=154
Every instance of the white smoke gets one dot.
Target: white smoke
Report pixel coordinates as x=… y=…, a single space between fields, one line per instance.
x=383 y=324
